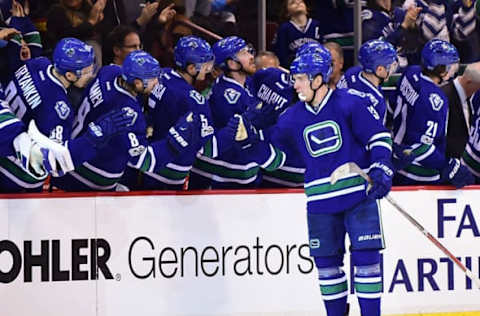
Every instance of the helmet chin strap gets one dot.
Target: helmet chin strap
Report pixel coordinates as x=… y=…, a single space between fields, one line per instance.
x=314 y=90
x=237 y=70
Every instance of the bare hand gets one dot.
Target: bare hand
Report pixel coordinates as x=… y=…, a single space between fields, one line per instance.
x=147 y=13
x=96 y=13
x=6 y=34
x=17 y=9
x=167 y=14
x=411 y=17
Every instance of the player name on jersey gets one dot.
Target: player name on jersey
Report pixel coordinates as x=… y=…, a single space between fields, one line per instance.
x=27 y=85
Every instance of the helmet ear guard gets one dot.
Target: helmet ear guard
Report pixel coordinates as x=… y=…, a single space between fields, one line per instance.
x=313 y=65
x=228 y=48
x=140 y=65
x=437 y=52
x=192 y=50
x=375 y=53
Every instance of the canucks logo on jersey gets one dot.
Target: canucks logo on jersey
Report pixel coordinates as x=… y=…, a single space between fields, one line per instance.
x=322 y=138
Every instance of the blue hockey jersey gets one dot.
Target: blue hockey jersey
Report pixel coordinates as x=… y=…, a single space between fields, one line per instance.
x=106 y=167
x=420 y=119
x=354 y=79
x=10 y=127
x=36 y=94
x=344 y=128
x=235 y=167
x=273 y=87
x=168 y=102
x=290 y=37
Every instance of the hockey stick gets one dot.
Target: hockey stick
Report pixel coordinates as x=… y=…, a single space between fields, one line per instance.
x=197 y=27
x=213 y=35
x=351 y=167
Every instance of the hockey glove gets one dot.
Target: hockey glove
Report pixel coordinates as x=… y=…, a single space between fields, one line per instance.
x=247 y=135
x=186 y=133
x=34 y=159
x=457 y=174
x=381 y=175
x=262 y=115
x=113 y=123
x=402 y=156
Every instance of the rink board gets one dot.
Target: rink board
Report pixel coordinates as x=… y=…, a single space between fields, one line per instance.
x=242 y=253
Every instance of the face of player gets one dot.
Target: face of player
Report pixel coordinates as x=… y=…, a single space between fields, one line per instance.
x=295 y=7
x=130 y=43
x=246 y=58
x=86 y=76
x=301 y=84
x=386 y=72
x=148 y=87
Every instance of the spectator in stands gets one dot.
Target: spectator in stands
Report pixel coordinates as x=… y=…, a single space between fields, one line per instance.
x=26 y=44
x=397 y=26
x=200 y=7
x=123 y=40
x=76 y=18
x=337 y=60
x=452 y=21
x=266 y=59
x=337 y=24
x=296 y=32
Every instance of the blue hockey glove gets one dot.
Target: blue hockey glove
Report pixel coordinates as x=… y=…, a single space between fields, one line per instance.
x=402 y=156
x=113 y=123
x=262 y=115
x=381 y=175
x=457 y=174
x=186 y=133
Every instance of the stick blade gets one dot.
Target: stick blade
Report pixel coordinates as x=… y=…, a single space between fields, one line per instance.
x=340 y=172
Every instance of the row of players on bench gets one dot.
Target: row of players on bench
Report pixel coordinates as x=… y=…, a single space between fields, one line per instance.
x=224 y=140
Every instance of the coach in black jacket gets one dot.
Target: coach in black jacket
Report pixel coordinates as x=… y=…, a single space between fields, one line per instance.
x=458 y=93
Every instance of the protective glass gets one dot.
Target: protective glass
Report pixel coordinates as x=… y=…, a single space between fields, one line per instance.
x=392 y=68
x=205 y=67
x=248 y=49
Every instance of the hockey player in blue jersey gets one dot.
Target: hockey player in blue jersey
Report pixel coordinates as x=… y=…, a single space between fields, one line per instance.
x=15 y=143
x=117 y=88
x=273 y=87
x=232 y=94
x=299 y=30
x=378 y=61
x=420 y=119
x=173 y=98
x=38 y=93
x=329 y=128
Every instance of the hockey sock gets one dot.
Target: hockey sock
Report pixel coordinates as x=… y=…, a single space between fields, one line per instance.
x=368 y=286
x=334 y=289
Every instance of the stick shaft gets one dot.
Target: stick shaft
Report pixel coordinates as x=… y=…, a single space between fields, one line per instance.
x=422 y=229
x=199 y=28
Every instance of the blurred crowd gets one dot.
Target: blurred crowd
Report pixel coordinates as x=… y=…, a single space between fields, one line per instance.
x=114 y=29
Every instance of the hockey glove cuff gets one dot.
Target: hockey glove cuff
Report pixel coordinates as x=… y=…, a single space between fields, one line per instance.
x=381 y=175
x=457 y=174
